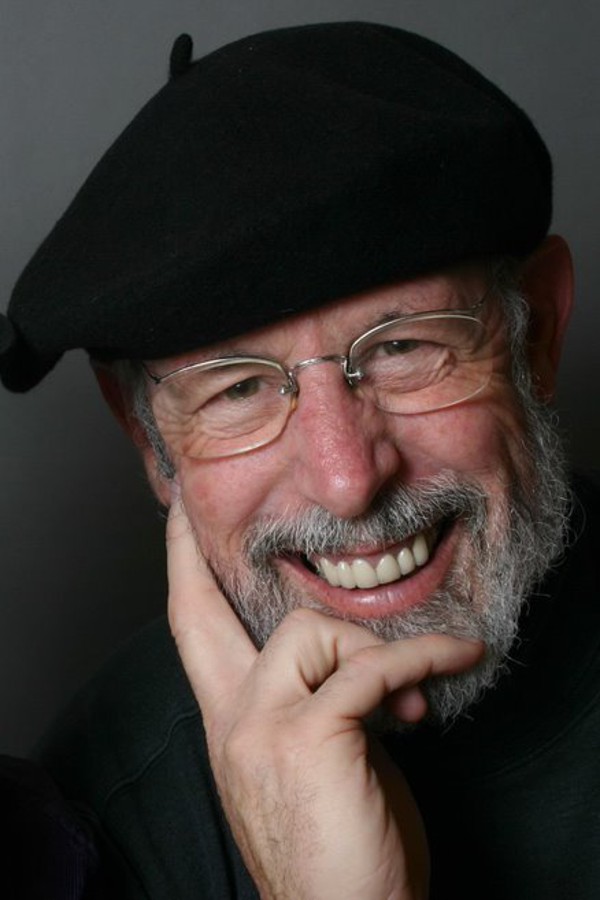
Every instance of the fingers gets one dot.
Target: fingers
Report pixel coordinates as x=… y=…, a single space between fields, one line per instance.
x=407 y=704
x=301 y=654
x=214 y=647
x=348 y=672
x=366 y=678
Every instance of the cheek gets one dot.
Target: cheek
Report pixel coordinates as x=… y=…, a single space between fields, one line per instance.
x=482 y=439
x=223 y=496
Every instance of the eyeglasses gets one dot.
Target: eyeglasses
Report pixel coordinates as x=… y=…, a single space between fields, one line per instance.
x=414 y=363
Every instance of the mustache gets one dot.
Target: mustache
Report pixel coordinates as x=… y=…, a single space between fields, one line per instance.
x=394 y=516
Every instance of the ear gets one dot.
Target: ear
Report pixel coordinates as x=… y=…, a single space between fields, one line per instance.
x=118 y=401
x=547 y=283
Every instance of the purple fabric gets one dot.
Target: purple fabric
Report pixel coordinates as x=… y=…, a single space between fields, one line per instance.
x=46 y=852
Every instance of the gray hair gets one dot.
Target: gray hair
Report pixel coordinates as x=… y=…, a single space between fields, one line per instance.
x=133 y=382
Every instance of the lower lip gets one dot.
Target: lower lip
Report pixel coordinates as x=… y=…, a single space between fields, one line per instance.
x=387 y=599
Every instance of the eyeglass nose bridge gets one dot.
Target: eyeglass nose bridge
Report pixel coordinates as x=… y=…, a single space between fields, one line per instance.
x=351 y=377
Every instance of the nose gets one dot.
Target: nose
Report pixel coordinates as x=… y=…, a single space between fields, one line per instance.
x=345 y=450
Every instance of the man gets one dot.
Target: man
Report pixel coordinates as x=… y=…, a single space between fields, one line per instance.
x=315 y=280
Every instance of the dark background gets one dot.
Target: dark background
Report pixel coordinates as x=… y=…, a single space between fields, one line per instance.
x=81 y=558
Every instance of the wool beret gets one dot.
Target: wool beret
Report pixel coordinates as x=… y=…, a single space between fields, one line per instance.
x=277 y=174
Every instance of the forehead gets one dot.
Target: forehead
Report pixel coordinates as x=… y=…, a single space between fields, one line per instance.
x=339 y=322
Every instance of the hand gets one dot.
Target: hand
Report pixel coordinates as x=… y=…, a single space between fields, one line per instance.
x=317 y=809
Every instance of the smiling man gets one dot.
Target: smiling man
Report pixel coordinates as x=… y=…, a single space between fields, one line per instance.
x=315 y=281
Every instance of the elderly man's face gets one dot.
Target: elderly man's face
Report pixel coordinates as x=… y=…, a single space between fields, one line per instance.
x=340 y=452
x=420 y=498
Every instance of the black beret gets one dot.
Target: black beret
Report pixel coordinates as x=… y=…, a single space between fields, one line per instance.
x=280 y=172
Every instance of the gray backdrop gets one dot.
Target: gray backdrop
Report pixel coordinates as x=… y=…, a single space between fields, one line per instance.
x=81 y=556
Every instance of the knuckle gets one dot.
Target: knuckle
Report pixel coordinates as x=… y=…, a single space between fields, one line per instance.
x=296 y=624
x=366 y=660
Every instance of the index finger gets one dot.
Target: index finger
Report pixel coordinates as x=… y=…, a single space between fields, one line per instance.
x=215 y=650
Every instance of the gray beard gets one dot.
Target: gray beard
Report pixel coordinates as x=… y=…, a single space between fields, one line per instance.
x=510 y=547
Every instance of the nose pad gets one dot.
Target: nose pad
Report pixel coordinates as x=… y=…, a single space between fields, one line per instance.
x=346 y=451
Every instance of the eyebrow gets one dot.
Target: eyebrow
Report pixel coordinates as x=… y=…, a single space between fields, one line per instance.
x=396 y=313
x=399 y=311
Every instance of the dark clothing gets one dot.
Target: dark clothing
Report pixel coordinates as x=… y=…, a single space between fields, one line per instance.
x=45 y=853
x=510 y=795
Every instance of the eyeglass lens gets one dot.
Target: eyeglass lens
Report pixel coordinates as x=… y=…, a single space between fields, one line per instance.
x=408 y=366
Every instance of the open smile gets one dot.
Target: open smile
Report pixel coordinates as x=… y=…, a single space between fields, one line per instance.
x=369 y=571
x=378 y=583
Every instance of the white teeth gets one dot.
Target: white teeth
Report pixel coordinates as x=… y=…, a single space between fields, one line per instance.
x=406 y=561
x=346 y=574
x=364 y=573
x=420 y=550
x=329 y=572
x=360 y=574
x=388 y=569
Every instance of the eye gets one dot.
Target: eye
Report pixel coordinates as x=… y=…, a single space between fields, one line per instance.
x=400 y=347
x=242 y=390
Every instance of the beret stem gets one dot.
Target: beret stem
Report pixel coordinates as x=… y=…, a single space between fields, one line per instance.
x=181 y=55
